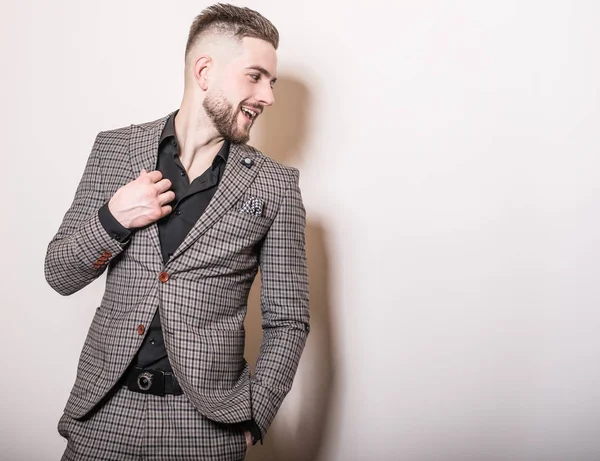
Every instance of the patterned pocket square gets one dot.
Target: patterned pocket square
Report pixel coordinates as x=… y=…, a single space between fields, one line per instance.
x=253 y=206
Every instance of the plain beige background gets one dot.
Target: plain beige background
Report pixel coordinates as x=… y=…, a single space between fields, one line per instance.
x=449 y=159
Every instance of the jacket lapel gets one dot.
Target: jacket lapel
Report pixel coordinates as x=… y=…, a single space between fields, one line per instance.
x=237 y=177
x=143 y=148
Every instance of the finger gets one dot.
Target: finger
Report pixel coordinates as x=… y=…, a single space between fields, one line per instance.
x=154 y=176
x=166 y=197
x=162 y=185
x=165 y=210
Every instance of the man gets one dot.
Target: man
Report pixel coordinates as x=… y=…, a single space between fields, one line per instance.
x=182 y=213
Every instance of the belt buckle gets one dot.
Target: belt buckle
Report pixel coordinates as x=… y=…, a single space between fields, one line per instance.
x=144 y=381
x=147 y=382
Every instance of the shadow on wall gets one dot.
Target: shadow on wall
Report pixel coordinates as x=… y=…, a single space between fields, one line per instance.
x=299 y=430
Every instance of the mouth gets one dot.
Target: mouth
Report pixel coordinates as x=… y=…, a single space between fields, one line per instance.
x=249 y=113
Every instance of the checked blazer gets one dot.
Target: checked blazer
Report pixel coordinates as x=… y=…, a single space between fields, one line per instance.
x=201 y=292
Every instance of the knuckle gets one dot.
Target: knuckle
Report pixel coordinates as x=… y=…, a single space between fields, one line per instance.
x=150 y=191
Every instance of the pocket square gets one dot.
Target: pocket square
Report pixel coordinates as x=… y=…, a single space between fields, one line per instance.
x=253 y=206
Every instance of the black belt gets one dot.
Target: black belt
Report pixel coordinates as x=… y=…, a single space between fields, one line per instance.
x=153 y=382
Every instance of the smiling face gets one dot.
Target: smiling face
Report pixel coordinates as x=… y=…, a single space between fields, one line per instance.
x=241 y=88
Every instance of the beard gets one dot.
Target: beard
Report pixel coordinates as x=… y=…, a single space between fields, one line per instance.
x=225 y=119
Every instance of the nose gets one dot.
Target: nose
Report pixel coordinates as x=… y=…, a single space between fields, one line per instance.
x=266 y=96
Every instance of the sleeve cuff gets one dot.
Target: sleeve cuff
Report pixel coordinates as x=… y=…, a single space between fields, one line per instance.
x=254 y=430
x=112 y=226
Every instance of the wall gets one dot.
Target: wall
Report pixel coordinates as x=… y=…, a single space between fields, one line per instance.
x=449 y=166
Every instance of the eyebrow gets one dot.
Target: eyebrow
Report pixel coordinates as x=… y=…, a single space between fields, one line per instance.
x=263 y=71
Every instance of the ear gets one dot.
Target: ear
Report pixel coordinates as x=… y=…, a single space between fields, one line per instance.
x=201 y=70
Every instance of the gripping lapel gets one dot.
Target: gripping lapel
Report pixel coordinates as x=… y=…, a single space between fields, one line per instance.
x=143 y=146
x=237 y=177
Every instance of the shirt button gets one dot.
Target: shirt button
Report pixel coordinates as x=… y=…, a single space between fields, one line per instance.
x=183 y=173
x=152 y=341
x=163 y=277
x=141 y=329
x=177 y=212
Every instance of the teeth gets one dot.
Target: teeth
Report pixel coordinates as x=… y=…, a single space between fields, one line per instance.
x=250 y=113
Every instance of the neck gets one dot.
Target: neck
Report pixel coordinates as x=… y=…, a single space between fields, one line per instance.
x=198 y=139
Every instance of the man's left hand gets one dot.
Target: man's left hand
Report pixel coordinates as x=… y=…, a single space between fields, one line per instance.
x=248 y=439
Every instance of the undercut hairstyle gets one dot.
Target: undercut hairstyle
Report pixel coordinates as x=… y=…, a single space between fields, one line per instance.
x=235 y=21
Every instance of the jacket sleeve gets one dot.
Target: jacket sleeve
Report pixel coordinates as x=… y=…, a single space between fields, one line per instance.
x=284 y=306
x=81 y=249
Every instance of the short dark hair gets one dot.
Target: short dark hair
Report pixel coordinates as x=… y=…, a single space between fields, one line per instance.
x=234 y=20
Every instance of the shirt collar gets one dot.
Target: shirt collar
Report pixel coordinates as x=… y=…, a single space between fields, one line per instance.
x=169 y=131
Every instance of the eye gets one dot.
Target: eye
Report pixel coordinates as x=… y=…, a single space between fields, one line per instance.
x=255 y=77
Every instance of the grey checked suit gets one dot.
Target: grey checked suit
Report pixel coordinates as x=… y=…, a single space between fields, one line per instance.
x=203 y=302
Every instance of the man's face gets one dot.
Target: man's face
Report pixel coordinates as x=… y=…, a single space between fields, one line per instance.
x=244 y=87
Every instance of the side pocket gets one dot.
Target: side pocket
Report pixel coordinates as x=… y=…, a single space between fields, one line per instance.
x=242 y=446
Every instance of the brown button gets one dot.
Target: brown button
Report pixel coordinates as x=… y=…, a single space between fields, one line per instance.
x=163 y=277
x=107 y=254
x=141 y=329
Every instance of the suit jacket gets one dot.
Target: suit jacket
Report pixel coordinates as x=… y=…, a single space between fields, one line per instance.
x=203 y=300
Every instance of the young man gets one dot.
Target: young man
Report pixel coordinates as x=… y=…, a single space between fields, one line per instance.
x=182 y=213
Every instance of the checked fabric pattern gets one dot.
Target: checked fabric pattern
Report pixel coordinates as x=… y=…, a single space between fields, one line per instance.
x=132 y=426
x=203 y=303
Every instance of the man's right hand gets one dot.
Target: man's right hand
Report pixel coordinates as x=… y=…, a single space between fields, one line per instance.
x=142 y=201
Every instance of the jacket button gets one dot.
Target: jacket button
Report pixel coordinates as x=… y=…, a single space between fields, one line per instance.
x=141 y=329
x=163 y=277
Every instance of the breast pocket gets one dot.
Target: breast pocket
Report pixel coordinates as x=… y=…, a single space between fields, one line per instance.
x=244 y=227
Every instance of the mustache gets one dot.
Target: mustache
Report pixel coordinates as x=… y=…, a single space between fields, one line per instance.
x=258 y=107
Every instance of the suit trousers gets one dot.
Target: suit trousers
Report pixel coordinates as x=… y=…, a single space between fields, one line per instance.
x=134 y=426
